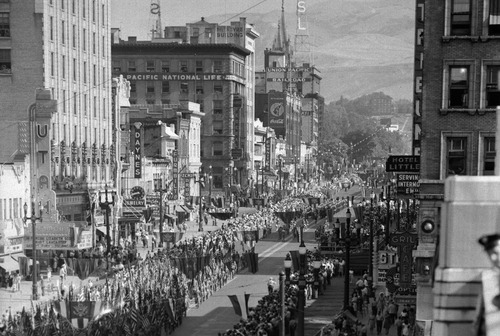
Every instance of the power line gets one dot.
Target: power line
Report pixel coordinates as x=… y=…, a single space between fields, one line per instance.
x=232 y=17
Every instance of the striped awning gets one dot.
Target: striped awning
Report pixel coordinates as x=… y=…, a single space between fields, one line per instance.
x=8 y=264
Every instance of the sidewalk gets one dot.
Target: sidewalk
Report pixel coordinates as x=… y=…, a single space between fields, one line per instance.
x=15 y=301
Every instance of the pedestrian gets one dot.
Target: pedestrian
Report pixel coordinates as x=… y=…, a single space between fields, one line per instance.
x=406 y=329
x=270 y=285
x=387 y=321
x=63 y=273
x=399 y=326
x=153 y=243
x=49 y=273
x=18 y=281
x=379 y=319
x=329 y=272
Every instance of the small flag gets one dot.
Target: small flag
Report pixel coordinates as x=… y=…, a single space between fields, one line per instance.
x=236 y=301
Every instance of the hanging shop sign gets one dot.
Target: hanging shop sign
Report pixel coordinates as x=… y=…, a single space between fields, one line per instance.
x=137 y=150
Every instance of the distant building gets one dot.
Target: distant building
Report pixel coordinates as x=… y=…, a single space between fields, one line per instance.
x=299 y=87
x=206 y=64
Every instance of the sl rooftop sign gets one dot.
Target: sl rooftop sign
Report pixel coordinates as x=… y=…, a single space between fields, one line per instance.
x=403 y=163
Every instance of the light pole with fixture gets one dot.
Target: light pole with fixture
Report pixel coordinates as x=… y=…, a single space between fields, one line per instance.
x=347 y=241
x=302 y=286
x=106 y=200
x=209 y=187
x=201 y=183
x=288 y=267
x=33 y=220
x=158 y=185
x=317 y=265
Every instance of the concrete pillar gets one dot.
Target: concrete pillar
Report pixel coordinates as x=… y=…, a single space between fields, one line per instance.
x=470 y=210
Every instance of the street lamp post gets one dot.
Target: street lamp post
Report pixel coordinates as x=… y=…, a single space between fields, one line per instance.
x=280 y=172
x=347 y=240
x=317 y=265
x=295 y=161
x=209 y=186
x=282 y=299
x=370 y=270
x=159 y=188
x=200 y=181
x=302 y=286
x=105 y=201
x=33 y=220
x=288 y=267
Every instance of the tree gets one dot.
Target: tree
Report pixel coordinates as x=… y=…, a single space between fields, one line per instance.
x=360 y=144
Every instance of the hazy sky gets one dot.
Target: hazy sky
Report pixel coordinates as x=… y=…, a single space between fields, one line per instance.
x=134 y=18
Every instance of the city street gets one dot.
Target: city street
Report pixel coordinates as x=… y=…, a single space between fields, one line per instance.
x=217 y=314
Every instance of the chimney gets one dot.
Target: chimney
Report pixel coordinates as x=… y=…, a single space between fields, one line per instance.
x=132 y=39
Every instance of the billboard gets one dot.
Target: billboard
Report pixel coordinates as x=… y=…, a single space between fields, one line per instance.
x=277 y=110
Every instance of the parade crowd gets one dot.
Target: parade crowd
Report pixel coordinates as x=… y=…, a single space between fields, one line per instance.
x=151 y=296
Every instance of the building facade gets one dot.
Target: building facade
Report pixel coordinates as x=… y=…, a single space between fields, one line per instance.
x=66 y=50
x=457 y=91
x=212 y=75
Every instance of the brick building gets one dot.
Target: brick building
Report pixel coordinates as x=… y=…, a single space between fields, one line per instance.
x=165 y=72
x=456 y=93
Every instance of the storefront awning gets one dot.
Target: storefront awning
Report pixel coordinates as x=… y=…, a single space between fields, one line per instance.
x=182 y=208
x=101 y=229
x=17 y=255
x=8 y=264
x=171 y=216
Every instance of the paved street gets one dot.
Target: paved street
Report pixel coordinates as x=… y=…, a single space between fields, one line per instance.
x=216 y=314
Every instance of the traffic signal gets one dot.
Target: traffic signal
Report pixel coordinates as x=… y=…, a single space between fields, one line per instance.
x=427 y=229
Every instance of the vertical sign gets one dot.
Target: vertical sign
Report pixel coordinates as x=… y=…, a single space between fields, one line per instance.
x=175 y=172
x=268 y=153
x=276 y=112
x=417 y=77
x=405 y=242
x=187 y=189
x=237 y=104
x=137 y=150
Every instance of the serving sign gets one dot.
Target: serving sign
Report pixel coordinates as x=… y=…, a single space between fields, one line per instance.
x=408 y=184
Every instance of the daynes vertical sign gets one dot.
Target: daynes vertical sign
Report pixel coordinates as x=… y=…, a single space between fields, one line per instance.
x=137 y=150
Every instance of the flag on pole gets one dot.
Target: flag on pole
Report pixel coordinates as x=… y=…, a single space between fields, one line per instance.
x=237 y=301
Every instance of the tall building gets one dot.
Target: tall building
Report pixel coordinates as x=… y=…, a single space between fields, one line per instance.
x=207 y=64
x=62 y=46
x=299 y=87
x=456 y=94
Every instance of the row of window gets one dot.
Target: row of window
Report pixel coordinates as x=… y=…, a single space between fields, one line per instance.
x=75 y=68
x=11 y=208
x=195 y=66
x=76 y=137
x=183 y=87
x=74 y=37
x=462 y=22
x=85 y=7
x=460 y=86
x=457 y=161
x=74 y=101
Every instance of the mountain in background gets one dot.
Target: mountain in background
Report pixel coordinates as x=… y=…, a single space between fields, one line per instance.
x=359 y=46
